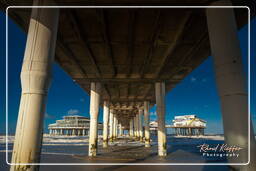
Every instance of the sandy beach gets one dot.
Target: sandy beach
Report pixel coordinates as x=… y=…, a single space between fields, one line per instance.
x=68 y=149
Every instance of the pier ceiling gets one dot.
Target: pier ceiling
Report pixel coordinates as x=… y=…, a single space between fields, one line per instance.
x=128 y=50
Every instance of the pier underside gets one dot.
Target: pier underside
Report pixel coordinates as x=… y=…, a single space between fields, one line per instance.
x=127 y=59
x=127 y=50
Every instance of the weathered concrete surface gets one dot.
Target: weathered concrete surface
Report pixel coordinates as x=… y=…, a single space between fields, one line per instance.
x=160 y=110
x=35 y=81
x=94 y=112
x=231 y=81
x=105 y=123
x=146 y=123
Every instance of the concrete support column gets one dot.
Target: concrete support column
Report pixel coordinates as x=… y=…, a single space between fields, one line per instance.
x=136 y=126
x=94 y=112
x=120 y=130
x=230 y=80
x=160 y=109
x=35 y=80
x=140 y=124
x=105 y=123
x=146 y=123
x=115 y=128
x=111 y=125
x=131 y=128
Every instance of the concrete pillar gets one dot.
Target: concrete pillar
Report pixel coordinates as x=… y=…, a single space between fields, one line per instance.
x=115 y=128
x=146 y=123
x=131 y=128
x=160 y=109
x=50 y=131
x=94 y=112
x=83 y=132
x=120 y=130
x=35 y=80
x=140 y=124
x=136 y=126
x=231 y=82
x=111 y=125
x=105 y=123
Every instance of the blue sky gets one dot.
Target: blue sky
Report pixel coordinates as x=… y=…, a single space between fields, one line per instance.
x=196 y=94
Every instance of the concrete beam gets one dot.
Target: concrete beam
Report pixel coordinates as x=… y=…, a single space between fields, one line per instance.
x=115 y=81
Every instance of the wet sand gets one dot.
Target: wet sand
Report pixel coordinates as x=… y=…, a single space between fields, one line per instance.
x=126 y=151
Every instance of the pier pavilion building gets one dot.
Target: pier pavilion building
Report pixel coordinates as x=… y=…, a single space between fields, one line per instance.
x=72 y=125
x=188 y=125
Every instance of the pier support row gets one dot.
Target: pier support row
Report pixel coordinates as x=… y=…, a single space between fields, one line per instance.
x=35 y=81
x=69 y=131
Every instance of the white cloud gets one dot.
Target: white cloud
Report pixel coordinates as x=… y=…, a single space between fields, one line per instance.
x=193 y=79
x=73 y=111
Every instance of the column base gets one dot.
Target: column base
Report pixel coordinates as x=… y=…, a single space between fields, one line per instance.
x=105 y=144
x=162 y=153
x=147 y=144
x=92 y=151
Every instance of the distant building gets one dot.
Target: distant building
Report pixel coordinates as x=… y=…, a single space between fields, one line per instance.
x=71 y=125
x=153 y=125
x=188 y=125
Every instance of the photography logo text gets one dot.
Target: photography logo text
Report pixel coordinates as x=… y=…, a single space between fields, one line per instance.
x=219 y=150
